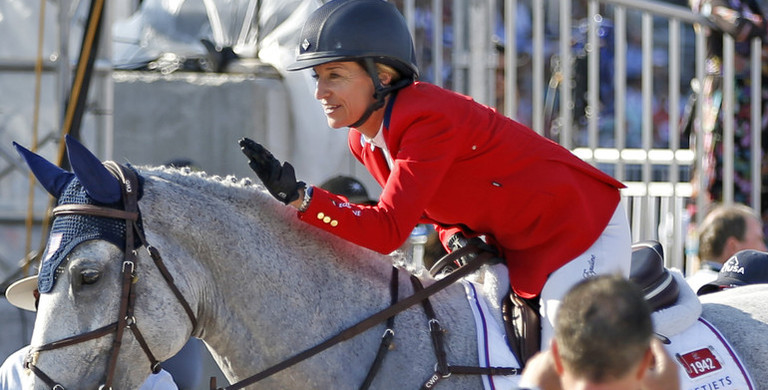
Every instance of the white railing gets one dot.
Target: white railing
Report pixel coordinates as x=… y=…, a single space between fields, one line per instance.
x=542 y=70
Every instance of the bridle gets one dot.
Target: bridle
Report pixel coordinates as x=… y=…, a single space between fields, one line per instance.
x=125 y=320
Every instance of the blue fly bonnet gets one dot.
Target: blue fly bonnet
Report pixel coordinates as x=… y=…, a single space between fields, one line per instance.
x=72 y=229
x=90 y=183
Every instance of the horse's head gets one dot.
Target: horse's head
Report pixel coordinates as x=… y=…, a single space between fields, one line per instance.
x=104 y=297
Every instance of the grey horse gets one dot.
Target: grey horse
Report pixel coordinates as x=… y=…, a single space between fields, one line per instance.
x=261 y=286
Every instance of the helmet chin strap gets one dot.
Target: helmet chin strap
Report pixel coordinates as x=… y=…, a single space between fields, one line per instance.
x=380 y=92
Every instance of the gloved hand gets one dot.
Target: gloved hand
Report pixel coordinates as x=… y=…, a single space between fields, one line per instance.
x=458 y=241
x=442 y=267
x=280 y=180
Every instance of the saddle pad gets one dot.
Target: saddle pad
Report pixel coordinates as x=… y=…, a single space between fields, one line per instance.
x=706 y=360
x=674 y=319
x=492 y=346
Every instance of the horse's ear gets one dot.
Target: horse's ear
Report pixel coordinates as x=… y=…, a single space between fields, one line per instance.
x=95 y=178
x=52 y=177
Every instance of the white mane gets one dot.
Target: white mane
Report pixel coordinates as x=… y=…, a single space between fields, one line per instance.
x=249 y=196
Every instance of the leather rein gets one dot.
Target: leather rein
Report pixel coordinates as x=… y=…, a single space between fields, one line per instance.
x=421 y=294
x=125 y=320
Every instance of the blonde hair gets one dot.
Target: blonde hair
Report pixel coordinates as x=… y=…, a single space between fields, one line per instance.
x=386 y=69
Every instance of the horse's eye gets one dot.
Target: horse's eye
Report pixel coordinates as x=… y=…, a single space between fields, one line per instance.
x=90 y=276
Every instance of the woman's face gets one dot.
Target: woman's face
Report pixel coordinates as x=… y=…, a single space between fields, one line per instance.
x=345 y=90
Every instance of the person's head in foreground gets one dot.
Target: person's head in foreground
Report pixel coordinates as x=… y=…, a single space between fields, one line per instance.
x=603 y=336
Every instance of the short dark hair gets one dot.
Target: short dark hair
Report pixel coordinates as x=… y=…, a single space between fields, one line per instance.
x=603 y=328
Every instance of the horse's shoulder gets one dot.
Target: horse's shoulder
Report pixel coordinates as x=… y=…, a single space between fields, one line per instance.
x=754 y=293
x=737 y=306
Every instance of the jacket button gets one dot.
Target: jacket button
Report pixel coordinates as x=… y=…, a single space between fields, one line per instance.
x=320 y=215
x=334 y=223
x=327 y=219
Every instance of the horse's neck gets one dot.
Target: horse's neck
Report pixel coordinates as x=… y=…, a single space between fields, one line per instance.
x=258 y=275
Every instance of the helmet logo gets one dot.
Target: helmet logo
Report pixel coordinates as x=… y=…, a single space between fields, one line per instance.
x=305 y=45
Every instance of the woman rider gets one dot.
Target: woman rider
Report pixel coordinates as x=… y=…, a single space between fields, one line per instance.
x=444 y=159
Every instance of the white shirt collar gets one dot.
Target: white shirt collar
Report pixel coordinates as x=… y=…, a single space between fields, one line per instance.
x=377 y=140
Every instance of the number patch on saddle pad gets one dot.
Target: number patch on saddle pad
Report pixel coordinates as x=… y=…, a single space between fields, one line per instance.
x=707 y=361
x=699 y=362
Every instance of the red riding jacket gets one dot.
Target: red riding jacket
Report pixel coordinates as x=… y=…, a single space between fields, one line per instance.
x=464 y=167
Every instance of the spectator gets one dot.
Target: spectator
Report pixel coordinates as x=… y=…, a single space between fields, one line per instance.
x=603 y=337
x=743 y=20
x=745 y=267
x=725 y=231
x=349 y=187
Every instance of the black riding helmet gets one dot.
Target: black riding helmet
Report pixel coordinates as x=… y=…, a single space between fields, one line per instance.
x=367 y=31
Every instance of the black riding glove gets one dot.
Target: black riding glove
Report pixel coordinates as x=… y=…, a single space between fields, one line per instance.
x=458 y=241
x=280 y=180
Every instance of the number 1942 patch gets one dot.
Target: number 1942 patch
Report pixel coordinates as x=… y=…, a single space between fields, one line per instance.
x=699 y=362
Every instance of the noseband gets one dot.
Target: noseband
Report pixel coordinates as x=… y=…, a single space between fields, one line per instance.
x=130 y=213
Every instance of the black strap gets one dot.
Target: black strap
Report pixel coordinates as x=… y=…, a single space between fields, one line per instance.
x=369 y=322
x=130 y=205
x=469 y=370
x=389 y=333
x=435 y=332
x=76 y=339
x=440 y=265
x=380 y=92
x=130 y=186
x=45 y=378
x=449 y=261
x=158 y=260
x=131 y=318
x=442 y=368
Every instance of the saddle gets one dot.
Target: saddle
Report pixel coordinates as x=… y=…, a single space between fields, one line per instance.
x=522 y=319
x=522 y=323
x=647 y=271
